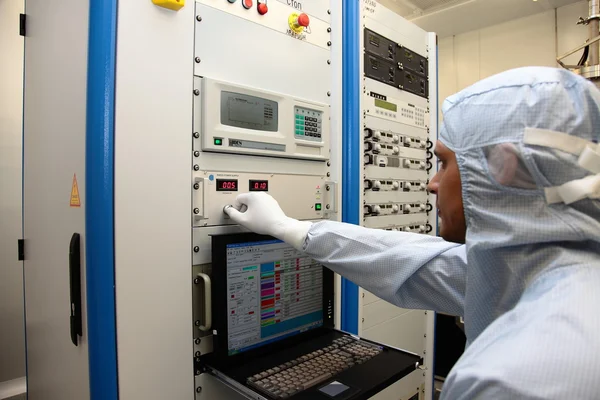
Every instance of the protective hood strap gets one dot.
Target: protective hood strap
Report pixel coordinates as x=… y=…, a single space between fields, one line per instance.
x=589 y=159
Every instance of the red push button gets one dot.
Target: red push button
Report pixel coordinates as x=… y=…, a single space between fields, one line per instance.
x=262 y=8
x=303 y=20
x=247 y=4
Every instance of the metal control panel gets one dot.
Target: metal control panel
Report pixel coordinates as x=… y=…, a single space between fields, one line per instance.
x=312 y=197
x=263 y=120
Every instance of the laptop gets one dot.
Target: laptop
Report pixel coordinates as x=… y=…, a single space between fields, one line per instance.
x=273 y=328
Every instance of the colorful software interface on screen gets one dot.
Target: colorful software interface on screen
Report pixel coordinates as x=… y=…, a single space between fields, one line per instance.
x=274 y=292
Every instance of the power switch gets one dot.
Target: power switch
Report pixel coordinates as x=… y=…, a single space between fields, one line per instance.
x=247 y=4
x=318 y=206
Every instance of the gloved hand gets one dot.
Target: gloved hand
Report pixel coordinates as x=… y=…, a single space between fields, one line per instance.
x=261 y=213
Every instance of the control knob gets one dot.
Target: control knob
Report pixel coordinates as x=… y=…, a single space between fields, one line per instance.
x=406 y=163
x=396 y=185
x=376 y=148
x=422 y=229
x=377 y=135
x=376 y=185
x=396 y=150
x=407 y=186
x=422 y=207
x=406 y=229
x=407 y=209
x=395 y=208
x=376 y=210
x=422 y=165
x=396 y=139
x=423 y=186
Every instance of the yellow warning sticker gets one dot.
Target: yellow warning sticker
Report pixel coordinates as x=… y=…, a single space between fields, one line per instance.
x=75 y=199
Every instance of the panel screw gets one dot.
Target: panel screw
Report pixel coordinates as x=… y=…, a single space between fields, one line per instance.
x=198 y=389
x=197 y=92
x=197 y=341
x=198 y=373
x=196 y=135
x=196 y=154
x=196 y=249
x=197 y=354
x=197 y=323
x=327 y=187
x=196 y=167
x=196 y=186
x=328 y=93
x=196 y=281
x=198 y=18
x=198 y=359
x=329 y=163
x=328 y=206
x=329 y=43
x=329 y=174
x=196 y=211
x=328 y=11
x=328 y=29
x=328 y=62
x=197 y=59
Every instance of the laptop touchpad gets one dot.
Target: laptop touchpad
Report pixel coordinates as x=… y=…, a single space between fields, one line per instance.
x=337 y=390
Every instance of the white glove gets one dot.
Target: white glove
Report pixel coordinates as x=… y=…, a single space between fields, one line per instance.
x=261 y=213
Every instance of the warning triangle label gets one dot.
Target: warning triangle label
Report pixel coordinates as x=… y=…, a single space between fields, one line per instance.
x=75 y=199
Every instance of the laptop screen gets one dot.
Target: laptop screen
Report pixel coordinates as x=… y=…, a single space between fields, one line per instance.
x=273 y=292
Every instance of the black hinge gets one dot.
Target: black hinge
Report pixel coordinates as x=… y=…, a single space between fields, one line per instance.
x=21 y=250
x=22 y=18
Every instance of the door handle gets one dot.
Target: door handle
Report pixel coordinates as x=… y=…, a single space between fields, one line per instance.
x=75 y=287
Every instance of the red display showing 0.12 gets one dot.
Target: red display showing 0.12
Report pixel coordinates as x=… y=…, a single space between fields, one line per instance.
x=258 y=186
x=230 y=185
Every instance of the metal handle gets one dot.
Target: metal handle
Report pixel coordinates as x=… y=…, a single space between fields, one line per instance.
x=198 y=209
x=207 y=302
x=75 y=320
x=331 y=189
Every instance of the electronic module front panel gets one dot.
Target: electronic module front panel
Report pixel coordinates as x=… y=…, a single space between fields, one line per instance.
x=398 y=114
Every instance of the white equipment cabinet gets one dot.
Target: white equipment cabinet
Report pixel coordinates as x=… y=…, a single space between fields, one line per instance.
x=142 y=119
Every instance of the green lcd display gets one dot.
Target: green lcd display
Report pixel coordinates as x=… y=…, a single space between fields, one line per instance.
x=386 y=105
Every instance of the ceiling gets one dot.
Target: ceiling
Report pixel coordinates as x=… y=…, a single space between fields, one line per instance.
x=452 y=17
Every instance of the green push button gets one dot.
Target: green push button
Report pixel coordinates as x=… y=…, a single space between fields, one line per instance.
x=318 y=206
x=218 y=142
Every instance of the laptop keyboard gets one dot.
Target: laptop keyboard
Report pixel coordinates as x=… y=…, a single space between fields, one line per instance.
x=292 y=377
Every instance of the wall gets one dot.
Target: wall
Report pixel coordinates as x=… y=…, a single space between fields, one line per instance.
x=534 y=40
x=12 y=340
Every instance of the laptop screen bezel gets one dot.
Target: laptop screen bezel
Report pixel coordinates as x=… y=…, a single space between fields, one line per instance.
x=220 y=304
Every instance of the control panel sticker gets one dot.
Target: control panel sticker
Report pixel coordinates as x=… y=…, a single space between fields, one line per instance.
x=249 y=144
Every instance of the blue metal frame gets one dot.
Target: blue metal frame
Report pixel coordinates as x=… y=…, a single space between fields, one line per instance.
x=99 y=195
x=351 y=131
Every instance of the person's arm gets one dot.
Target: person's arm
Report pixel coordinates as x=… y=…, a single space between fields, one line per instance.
x=407 y=269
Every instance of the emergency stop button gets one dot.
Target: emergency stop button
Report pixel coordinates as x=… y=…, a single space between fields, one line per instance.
x=247 y=4
x=298 y=22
